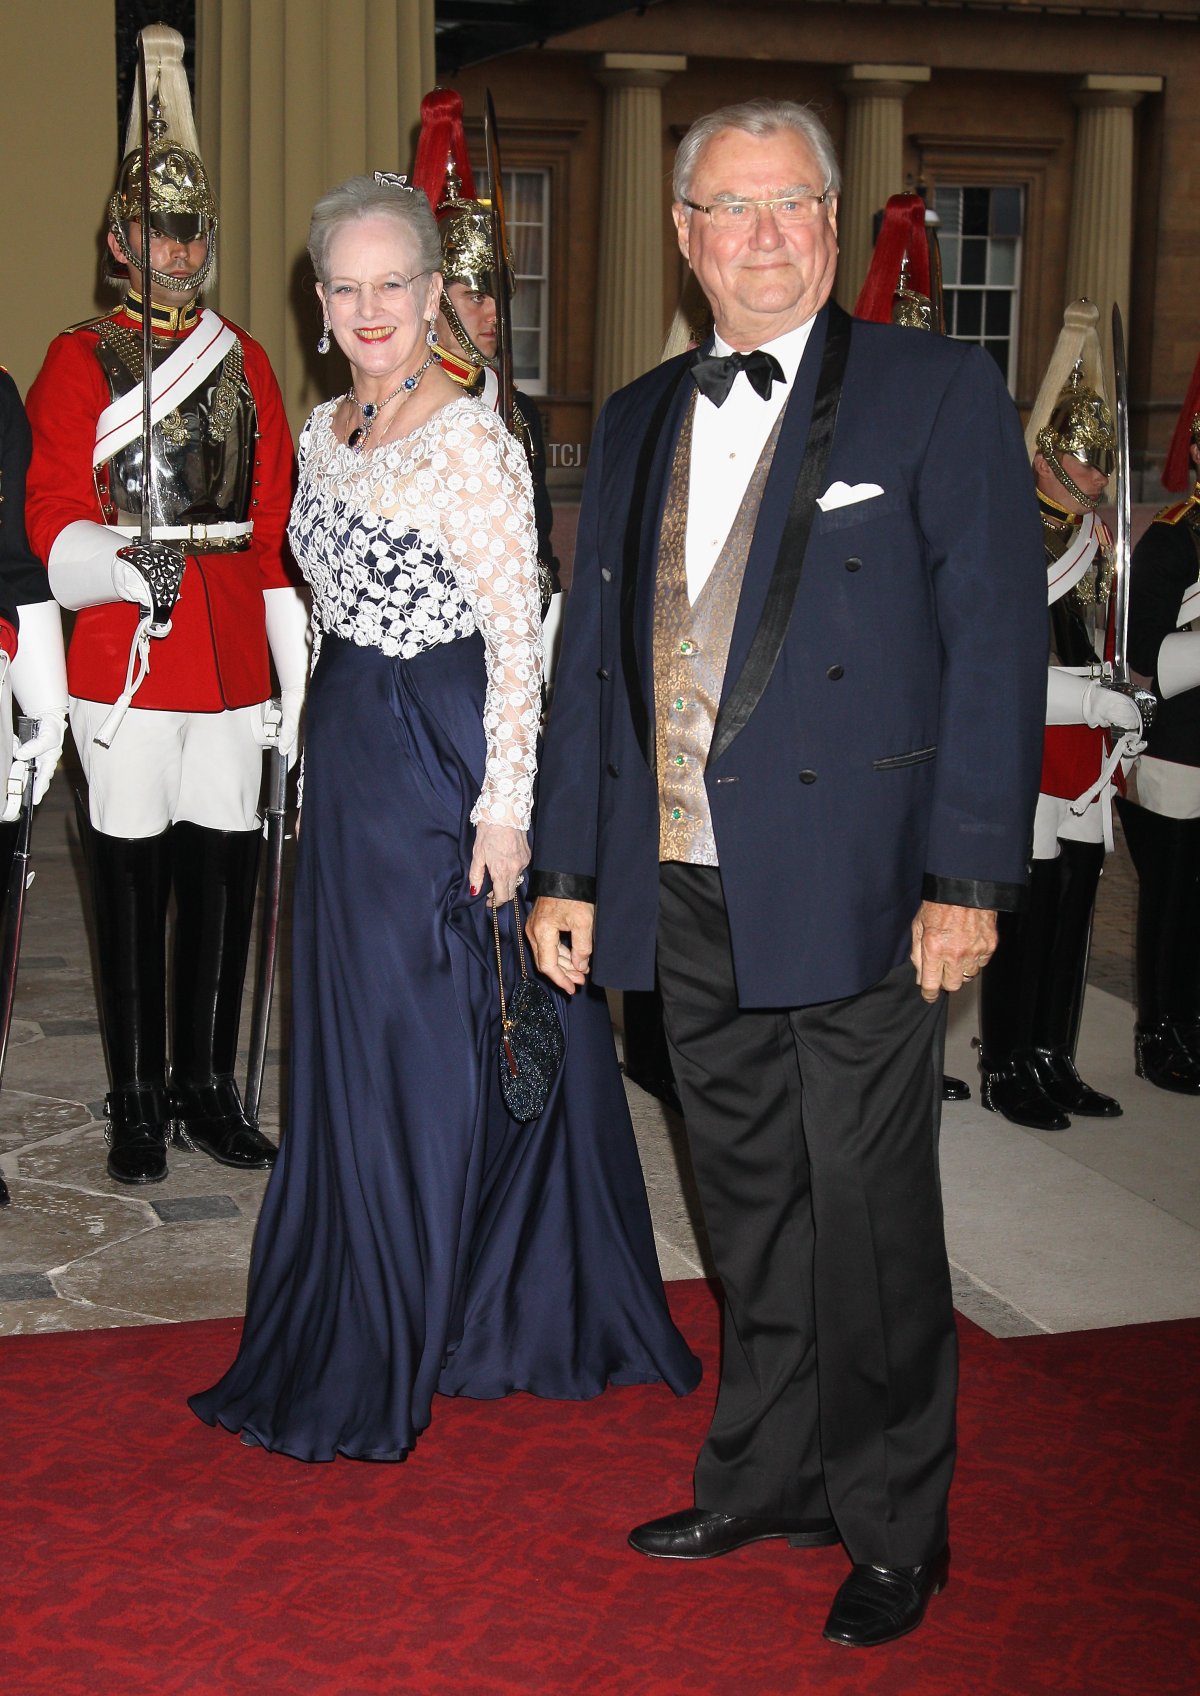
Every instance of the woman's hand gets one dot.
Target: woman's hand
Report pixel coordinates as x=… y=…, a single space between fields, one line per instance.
x=501 y=853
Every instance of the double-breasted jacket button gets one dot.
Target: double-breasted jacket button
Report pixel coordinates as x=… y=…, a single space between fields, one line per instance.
x=613 y=771
x=602 y=674
x=606 y=574
x=853 y=563
x=807 y=776
x=835 y=672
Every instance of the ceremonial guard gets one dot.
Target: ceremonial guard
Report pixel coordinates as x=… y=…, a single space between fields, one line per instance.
x=174 y=777
x=466 y=343
x=1163 y=827
x=1031 y=995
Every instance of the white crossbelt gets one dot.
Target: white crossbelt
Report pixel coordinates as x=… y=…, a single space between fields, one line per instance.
x=1064 y=572
x=223 y=530
x=173 y=381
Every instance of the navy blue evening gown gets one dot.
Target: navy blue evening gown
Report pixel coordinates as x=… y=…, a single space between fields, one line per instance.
x=414 y=1238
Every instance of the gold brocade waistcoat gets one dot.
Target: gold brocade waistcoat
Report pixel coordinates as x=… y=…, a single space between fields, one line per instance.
x=691 y=649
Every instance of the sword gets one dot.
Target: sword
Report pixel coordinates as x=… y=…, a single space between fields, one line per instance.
x=504 y=345
x=268 y=946
x=14 y=895
x=158 y=564
x=1120 y=676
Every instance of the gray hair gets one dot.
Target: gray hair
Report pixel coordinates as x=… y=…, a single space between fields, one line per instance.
x=367 y=197
x=758 y=118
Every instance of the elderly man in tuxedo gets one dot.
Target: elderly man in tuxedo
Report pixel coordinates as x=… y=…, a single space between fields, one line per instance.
x=793 y=757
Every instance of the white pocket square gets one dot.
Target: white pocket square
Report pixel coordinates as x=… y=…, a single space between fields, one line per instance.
x=843 y=494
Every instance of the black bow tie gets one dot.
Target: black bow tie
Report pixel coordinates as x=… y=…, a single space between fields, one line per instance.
x=714 y=375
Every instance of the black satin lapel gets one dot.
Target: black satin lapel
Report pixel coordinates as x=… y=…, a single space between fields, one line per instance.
x=633 y=552
x=755 y=674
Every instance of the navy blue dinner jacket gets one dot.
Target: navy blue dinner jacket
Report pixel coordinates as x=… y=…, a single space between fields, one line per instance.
x=880 y=730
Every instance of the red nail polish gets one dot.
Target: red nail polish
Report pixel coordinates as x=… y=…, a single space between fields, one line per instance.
x=474 y=891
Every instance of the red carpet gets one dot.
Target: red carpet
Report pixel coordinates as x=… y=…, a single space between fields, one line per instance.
x=144 y=1553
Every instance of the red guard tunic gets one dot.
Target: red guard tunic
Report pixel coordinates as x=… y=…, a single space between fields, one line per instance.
x=1073 y=755
x=216 y=655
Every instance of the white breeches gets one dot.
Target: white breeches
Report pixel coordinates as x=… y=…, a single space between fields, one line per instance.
x=165 y=768
x=1054 y=819
x=1167 y=788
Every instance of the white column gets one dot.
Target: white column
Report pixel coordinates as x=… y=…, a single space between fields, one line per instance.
x=292 y=97
x=1100 y=237
x=629 y=284
x=873 y=166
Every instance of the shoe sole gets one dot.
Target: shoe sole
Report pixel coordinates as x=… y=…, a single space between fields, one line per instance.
x=795 y=1540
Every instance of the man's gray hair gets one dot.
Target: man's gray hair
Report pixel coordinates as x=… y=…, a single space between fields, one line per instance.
x=366 y=197
x=758 y=118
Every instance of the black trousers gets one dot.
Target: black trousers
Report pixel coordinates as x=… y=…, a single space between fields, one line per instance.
x=813 y=1133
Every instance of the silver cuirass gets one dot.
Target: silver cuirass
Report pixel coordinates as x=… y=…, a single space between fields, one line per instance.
x=203 y=451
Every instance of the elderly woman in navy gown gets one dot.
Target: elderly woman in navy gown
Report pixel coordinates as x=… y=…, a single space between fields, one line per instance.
x=414 y=1238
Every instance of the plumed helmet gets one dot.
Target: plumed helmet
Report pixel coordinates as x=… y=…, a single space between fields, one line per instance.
x=182 y=201
x=1176 y=471
x=443 y=170
x=1071 y=413
x=898 y=287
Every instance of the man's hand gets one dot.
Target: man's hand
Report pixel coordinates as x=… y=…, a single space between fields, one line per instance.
x=565 y=963
x=950 y=944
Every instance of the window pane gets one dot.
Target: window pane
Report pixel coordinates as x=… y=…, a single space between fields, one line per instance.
x=526 y=353
x=950 y=246
x=970 y=316
x=526 y=243
x=1000 y=353
x=996 y=314
x=974 y=262
x=975 y=211
x=1002 y=263
x=947 y=203
x=1006 y=211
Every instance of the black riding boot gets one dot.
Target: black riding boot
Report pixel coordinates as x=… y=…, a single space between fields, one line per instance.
x=215 y=874
x=1166 y=856
x=1008 y=994
x=131 y=882
x=1060 y=998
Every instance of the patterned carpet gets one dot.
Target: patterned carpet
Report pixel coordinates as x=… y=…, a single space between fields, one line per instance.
x=146 y=1553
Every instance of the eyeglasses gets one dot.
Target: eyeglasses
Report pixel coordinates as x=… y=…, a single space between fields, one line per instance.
x=790 y=211
x=345 y=292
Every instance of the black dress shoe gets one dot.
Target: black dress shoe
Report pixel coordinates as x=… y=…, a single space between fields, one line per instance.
x=879 y=1603
x=210 y=1117
x=955 y=1089
x=697 y=1535
x=1061 y=1084
x=1016 y=1094
x=1163 y=1056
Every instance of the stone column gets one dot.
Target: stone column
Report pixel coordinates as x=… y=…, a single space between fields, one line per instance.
x=873 y=162
x=292 y=97
x=629 y=284
x=1100 y=237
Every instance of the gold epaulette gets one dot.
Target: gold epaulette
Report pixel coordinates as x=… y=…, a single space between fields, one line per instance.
x=91 y=323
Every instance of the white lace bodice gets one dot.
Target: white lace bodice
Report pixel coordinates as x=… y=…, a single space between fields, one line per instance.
x=423 y=541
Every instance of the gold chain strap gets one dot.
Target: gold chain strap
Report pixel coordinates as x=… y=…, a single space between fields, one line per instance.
x=505 y=1021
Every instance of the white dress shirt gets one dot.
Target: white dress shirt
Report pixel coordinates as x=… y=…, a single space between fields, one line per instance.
x=726 y=443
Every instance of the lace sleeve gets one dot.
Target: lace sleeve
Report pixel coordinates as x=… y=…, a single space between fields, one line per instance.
x=487 y=523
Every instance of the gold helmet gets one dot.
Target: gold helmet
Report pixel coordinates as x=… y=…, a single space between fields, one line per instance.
x=1080 y=425
x=443 y=171
x=1176 y=474
x=1071 y=414
x=182 y=202
x=898 y=287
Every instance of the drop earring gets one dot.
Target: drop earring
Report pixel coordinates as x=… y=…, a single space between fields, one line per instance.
x=323 y=344
x=431 y=334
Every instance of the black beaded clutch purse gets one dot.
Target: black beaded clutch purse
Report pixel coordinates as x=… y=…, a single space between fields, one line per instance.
x=531 y=1037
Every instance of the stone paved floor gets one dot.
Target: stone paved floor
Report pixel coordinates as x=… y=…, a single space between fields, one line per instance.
x=1098 y=1226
